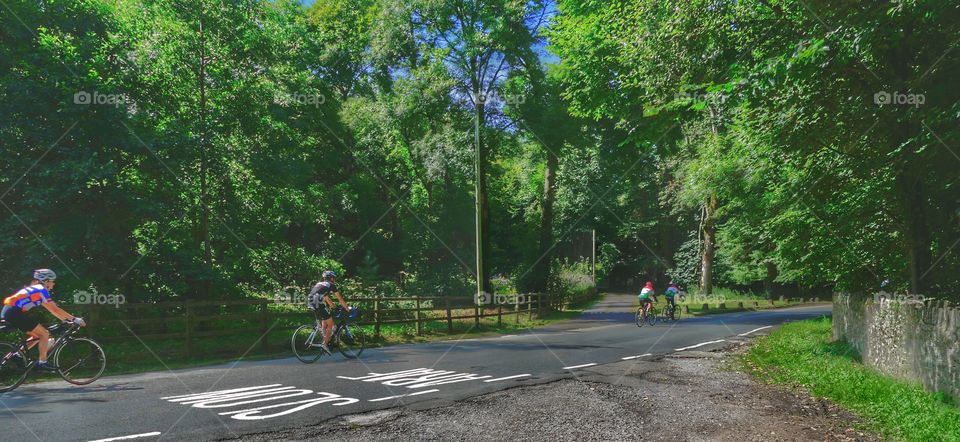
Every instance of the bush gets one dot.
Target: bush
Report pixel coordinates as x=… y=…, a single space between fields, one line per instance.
x=572 y=282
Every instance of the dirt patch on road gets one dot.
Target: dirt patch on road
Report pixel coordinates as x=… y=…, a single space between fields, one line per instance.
x=690 y=396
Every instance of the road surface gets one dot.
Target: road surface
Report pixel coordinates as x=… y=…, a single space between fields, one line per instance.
x=231 y=400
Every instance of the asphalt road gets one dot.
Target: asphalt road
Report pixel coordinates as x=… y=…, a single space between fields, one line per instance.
x=230 y=400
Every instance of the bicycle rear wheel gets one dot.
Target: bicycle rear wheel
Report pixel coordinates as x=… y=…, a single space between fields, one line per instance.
x=80 y=361
x=305 y=343
x=13 y=367
x=351 y=341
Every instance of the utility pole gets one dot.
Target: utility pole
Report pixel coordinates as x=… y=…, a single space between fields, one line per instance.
x=479 y=217
x=593 y=253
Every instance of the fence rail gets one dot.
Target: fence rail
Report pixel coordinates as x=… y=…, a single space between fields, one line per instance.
x=190 y=321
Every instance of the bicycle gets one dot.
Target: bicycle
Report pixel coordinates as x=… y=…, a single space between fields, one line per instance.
x=649 y=316
x=350 y=339
x=671 y=312
x=79 y=361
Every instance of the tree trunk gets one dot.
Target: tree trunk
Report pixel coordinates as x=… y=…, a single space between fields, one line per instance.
x=772 y=273
x=709 y=239
x=484 y=210
x=541 y=274
x=917 y=232
x=204 y=168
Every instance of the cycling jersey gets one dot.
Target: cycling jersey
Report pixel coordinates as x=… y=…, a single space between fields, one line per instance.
x=28 y=297
x=315 y=300
x=645 y=293
x=671 y=292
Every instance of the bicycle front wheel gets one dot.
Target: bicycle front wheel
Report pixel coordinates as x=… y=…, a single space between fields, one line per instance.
x=80 y=361
x=13 y=367
x=640 y=317
x=306 y=342
x=351 y=341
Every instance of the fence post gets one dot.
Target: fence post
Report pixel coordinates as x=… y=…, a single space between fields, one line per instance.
x=188 y=329
x=499 y=313
x=376 y=316
x=476 y=314
x=416 y=315
x=446 y=301
x=263 y=326
x=516 y=309
x=529 y=300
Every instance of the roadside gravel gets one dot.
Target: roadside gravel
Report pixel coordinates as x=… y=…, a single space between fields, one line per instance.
x=687 y=396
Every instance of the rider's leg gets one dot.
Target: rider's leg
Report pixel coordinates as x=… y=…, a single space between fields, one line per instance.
x=327 y=330
x=42 y=335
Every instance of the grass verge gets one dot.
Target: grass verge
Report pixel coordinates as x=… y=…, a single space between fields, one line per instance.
x=802 y=354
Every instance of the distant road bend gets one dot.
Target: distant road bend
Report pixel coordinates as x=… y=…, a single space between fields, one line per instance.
x=231 y=400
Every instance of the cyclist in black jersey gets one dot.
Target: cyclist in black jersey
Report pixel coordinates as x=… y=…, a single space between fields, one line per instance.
x=319 y=301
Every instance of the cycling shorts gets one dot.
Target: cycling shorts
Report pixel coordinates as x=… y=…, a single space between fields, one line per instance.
x=322 y=311
x=19 y=319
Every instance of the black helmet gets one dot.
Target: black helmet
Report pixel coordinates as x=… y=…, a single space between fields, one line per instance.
x=329 y=274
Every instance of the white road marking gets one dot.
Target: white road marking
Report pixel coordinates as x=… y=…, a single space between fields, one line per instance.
x=402 y=395
x=754 y=330
x=701 y=344
x=634 y=357
x=580 y=366
x=508 y=336
x=132 y=436
x=508 y=377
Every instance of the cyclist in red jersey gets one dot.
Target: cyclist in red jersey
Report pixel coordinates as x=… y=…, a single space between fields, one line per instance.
x=16 y=306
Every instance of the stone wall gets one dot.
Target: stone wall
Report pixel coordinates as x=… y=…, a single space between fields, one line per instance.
x=915 y=341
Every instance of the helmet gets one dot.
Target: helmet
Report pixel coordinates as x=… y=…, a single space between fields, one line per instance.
x=329 y=274
x=44 y=275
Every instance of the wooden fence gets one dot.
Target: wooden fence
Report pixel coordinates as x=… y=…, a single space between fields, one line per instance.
x=189 y=322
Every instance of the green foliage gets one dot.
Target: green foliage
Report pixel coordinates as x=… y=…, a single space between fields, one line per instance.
x=247 y=145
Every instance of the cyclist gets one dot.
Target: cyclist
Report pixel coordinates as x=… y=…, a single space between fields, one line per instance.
x=671 y=292
x=319 y=301
x=16 y=306
x=645 y=295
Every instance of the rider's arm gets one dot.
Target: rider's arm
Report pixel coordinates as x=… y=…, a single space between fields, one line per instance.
x=343 y=303
x=60 y=313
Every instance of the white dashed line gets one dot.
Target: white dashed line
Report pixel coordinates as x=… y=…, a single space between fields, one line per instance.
x=580 y=366
x=754 y=330
x=701 y=344
x=634 y=357
x=508 y=377
x=132 y=436
x=508 y=336
x=402 y=395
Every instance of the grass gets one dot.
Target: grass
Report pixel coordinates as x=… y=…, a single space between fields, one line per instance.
x=802 y=354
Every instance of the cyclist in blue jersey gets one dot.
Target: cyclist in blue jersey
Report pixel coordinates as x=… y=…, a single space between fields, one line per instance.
x=16 y=306
x=319 y=301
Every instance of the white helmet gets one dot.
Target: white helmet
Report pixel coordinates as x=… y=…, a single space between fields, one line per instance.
x=44 y=275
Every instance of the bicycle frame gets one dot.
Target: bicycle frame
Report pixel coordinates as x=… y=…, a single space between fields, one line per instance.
x=24 y=346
